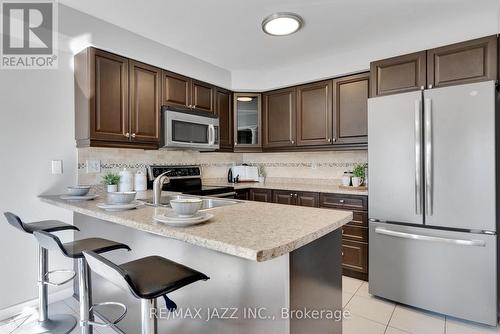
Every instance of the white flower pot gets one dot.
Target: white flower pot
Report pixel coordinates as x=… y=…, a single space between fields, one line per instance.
x=112 y=188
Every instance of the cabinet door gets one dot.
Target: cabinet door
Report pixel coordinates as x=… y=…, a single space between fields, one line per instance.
x=398 y=74
x=176 y=90
x=461 y=63
x=306 y=198
x=350 y=109
x=109 y=100
x=223 y=109
x=243 y=194
x=283 y=197
x=247 y=122
x=202 y=96
x=279 y=118
x=260 y=195
x=314 y=113
x=355 y=255
x=145 y=92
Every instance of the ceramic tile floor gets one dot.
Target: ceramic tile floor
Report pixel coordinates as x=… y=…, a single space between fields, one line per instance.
x=372 y=315
x=369 y=315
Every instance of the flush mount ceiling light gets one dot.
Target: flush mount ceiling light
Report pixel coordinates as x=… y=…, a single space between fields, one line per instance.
x=244 y=99
x=282 y=24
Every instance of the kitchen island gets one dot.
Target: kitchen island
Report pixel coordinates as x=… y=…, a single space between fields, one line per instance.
x=272 y=268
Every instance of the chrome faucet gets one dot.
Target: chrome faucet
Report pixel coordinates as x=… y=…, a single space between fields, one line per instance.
x=158 y=186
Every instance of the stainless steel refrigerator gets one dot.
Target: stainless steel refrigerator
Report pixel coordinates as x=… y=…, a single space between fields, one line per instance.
x=432 y=200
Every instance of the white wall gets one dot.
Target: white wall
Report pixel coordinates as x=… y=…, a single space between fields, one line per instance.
x=37 y=125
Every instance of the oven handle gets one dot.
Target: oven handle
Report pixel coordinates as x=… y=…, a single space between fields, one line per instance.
x=232 y=193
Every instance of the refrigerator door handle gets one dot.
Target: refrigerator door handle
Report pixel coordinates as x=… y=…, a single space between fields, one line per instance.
x=404 y=235
x=428 y=156
x=418 y=157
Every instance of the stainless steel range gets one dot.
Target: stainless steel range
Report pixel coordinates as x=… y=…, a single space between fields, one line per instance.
x=187 y=180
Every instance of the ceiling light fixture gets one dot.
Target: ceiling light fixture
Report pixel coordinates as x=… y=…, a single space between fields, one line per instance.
x=244 y=99
x=282 y=24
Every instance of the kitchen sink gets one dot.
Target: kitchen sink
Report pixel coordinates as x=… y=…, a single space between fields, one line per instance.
x=208 y=203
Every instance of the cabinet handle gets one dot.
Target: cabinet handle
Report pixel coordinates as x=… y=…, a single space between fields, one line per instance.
x=334 y=139
x=127 y=135
x=422 y=87
x=293 y=141
x=430 y=86
x=341 y=201
x=133 y=135
x=291 y=195
x=194 y=106
x=328 y=140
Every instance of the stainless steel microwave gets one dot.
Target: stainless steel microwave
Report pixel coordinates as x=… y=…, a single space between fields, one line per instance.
x=189 y=130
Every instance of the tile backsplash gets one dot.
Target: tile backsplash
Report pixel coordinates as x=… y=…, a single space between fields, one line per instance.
x=304 y=165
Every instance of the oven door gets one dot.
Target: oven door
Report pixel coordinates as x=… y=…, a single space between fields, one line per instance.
x=190 y=130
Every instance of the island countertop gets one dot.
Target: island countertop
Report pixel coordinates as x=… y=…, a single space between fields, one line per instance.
x=252 y=230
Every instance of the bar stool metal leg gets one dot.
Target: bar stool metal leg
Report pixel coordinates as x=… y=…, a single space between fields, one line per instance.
x=148 y=319
x=57 y=324
x=85 y=295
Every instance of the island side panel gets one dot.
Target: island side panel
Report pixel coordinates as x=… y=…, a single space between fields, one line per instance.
x=316 y=284
x=234 y=283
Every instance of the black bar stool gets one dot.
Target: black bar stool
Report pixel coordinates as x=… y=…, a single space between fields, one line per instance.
x=60 y=323
x=147 y=279
x=74 y=250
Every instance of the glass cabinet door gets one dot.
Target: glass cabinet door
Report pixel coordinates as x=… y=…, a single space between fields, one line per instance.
x=247 y=120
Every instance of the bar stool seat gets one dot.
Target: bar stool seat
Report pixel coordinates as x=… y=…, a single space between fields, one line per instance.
x=74 y=250
x=44 y=225
x=147 y=279
x=155 y=276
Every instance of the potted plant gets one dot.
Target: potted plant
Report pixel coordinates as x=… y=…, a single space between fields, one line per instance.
x=262 y=173
x=111 y=180
x=358 y=175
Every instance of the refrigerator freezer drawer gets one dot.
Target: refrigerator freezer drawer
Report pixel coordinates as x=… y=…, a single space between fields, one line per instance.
x=452 y=273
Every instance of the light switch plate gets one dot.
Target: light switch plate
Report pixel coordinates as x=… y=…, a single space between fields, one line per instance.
x=57 y=166
x=93 y=166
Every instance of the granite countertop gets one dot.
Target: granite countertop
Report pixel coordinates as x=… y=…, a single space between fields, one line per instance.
x=252 y=230
x=326 y=187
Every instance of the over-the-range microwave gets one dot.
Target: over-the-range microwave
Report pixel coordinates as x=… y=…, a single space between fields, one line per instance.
x=189 y=129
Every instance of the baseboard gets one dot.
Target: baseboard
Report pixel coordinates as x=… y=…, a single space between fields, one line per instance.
x=14 y=310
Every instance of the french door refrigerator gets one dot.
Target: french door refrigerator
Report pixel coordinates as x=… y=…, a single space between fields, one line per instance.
x=432 y=200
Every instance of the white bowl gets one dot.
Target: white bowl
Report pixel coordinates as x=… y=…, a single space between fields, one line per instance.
x=78 y=190
x=121 y=197
x=186 y=207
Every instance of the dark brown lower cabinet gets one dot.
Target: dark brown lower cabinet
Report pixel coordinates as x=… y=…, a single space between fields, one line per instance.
x=354 y=233
x=243 y=194
x=260 y=195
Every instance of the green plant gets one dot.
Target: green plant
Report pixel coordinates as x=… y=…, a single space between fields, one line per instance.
x=110 y=179
x=359 y=170
x=261 y=168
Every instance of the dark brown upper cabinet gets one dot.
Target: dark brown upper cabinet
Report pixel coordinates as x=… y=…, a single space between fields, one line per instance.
x=184 y=92
x=314 y=114
x=350 y=109
x=247 y=130
x=223 y=109
x=145 y=102
x=109 y=116
x=202 y=96
x=117 y=101
x=279 y=119
x=465 y=62
x=176 y=90
x=398 y=74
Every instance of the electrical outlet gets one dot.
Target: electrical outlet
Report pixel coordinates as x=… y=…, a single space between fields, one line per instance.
x=314 y=165
x=57 y=166
x=93 y=166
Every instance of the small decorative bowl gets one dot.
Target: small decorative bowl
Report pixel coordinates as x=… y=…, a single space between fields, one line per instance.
x=121 y=197
x=78 y=190
x=186 y=207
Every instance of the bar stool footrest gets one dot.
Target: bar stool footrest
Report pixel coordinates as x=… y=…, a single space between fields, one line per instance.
x=48 y=282
x=109 y=323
